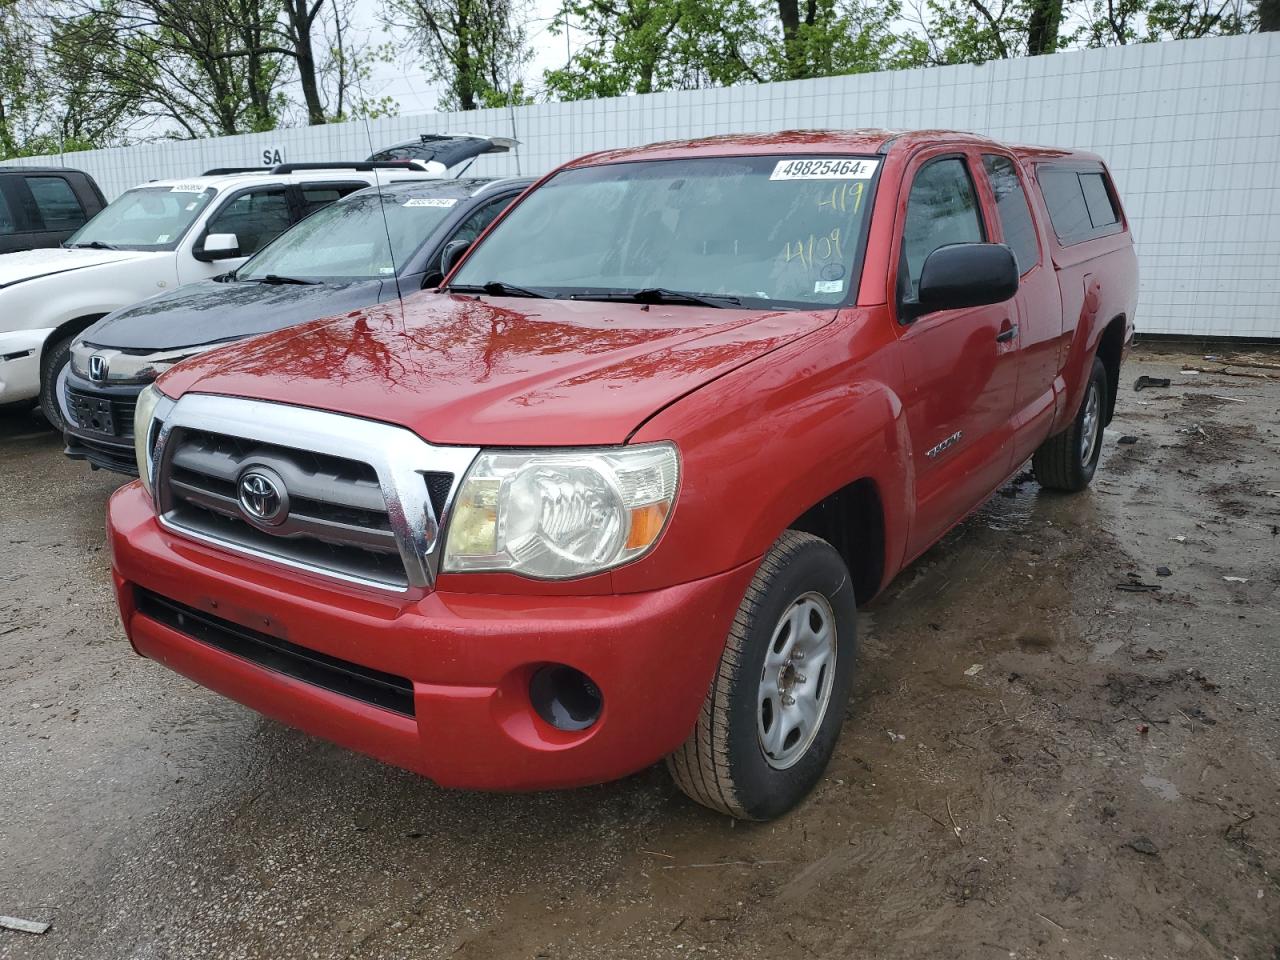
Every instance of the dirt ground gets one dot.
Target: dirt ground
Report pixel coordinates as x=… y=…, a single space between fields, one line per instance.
x=1037 y=763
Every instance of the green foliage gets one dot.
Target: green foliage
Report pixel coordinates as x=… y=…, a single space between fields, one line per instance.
x=639 y=46
x=1113 y=22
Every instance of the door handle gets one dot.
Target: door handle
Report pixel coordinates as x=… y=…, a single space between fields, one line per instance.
x=1007 y=333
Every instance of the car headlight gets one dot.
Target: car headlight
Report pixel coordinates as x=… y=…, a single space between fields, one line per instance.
x=143 y=418
x=556 y=514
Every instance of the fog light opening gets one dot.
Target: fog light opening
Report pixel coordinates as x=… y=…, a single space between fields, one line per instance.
x=565 y=698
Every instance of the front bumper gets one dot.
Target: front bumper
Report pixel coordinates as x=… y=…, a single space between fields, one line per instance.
x=20 y=364
x=110 y=450
x=468 y=658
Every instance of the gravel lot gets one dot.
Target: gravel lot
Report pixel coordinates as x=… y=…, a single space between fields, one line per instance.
x=1037 y=763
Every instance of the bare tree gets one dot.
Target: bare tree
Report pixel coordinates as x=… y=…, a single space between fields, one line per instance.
x=474 y=47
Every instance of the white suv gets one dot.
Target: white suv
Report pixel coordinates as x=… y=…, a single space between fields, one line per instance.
x=153 y=238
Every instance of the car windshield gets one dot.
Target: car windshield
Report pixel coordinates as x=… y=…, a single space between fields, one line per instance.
x=348 y=239
x=749 y=231
x=145 y=218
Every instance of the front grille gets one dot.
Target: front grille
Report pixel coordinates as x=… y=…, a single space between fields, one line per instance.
x=102 y=413
x=337 y=496
x=337 y=519
x=343 y=677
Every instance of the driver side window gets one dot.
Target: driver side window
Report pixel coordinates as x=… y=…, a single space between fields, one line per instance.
x=256 y=218
x=942 y=209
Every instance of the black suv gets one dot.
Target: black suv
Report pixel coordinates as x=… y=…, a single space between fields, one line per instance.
x=369 y=247
x=42 y=206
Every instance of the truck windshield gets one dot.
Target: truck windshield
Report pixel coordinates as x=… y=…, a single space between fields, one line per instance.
x=145 y=218
x=735 y=231
x=348 y=240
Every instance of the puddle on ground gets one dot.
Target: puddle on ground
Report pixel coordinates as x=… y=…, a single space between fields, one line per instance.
x=1162 y=788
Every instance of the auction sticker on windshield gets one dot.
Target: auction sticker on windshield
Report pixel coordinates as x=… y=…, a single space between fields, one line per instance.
x=826 y=168
x=430 y=202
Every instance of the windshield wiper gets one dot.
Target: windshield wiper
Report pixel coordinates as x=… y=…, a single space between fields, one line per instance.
x=91 y=245
x=275 y=278
x=661 y=295
x=497 y=288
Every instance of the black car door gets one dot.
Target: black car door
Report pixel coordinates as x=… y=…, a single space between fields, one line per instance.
x=11 y=225
x=53 y=208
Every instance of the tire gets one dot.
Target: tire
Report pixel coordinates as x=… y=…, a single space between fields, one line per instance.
x=51 y=363
x=724 y=765
x=1068 y=460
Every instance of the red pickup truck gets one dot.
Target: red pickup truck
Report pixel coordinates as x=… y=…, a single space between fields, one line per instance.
x=613 y=492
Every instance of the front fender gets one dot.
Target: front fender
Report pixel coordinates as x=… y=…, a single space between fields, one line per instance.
x=766 y=442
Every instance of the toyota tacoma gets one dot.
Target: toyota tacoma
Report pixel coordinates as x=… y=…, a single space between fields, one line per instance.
x=614 y=492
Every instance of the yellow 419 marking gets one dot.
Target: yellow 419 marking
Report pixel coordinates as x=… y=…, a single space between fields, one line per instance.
x=843 y=199
x=815 y=248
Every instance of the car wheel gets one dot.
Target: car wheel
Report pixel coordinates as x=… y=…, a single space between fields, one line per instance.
x=1068 y=461
x=55 y=357
x=770 y=721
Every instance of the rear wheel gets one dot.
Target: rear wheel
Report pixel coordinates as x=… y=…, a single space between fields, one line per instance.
x=1068 y=461
x=772 y=716
x=56 y=356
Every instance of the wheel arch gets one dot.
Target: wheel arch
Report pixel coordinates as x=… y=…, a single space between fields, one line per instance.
x=1110 y=351
x=852 y=520
x=69 y=328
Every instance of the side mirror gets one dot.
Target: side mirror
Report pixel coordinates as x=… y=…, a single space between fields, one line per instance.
x=218 y=246
x=964 y=275
x=452 y=253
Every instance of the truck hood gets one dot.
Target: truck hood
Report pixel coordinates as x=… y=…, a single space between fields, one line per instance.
x=210 y=312
x=497 y=371
x=34 y=264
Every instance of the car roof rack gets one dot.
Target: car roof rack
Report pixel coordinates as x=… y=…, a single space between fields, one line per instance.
x=282 y=168
x=361 y=165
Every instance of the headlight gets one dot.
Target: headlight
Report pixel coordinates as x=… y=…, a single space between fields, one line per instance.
x=143 y=417
x=555 y=514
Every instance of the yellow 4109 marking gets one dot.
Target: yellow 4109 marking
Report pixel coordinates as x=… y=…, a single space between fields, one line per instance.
x=815 y=248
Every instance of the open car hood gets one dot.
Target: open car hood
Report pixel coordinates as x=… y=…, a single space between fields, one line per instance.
x=447 y=149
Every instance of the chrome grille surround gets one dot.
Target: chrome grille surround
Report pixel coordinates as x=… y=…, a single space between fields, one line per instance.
x=400 y=459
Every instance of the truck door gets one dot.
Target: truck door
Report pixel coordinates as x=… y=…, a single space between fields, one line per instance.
x=1037 y=303
x=960 y=366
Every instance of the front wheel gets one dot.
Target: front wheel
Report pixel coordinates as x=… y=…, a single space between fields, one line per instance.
x=1068 y=461
x=771 y=718
x=56 y=356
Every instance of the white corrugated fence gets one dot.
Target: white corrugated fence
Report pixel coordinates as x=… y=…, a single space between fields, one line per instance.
x=1191 y=130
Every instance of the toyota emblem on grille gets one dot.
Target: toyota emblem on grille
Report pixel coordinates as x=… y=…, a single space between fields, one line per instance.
x=263 y=497
x=97 y=368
